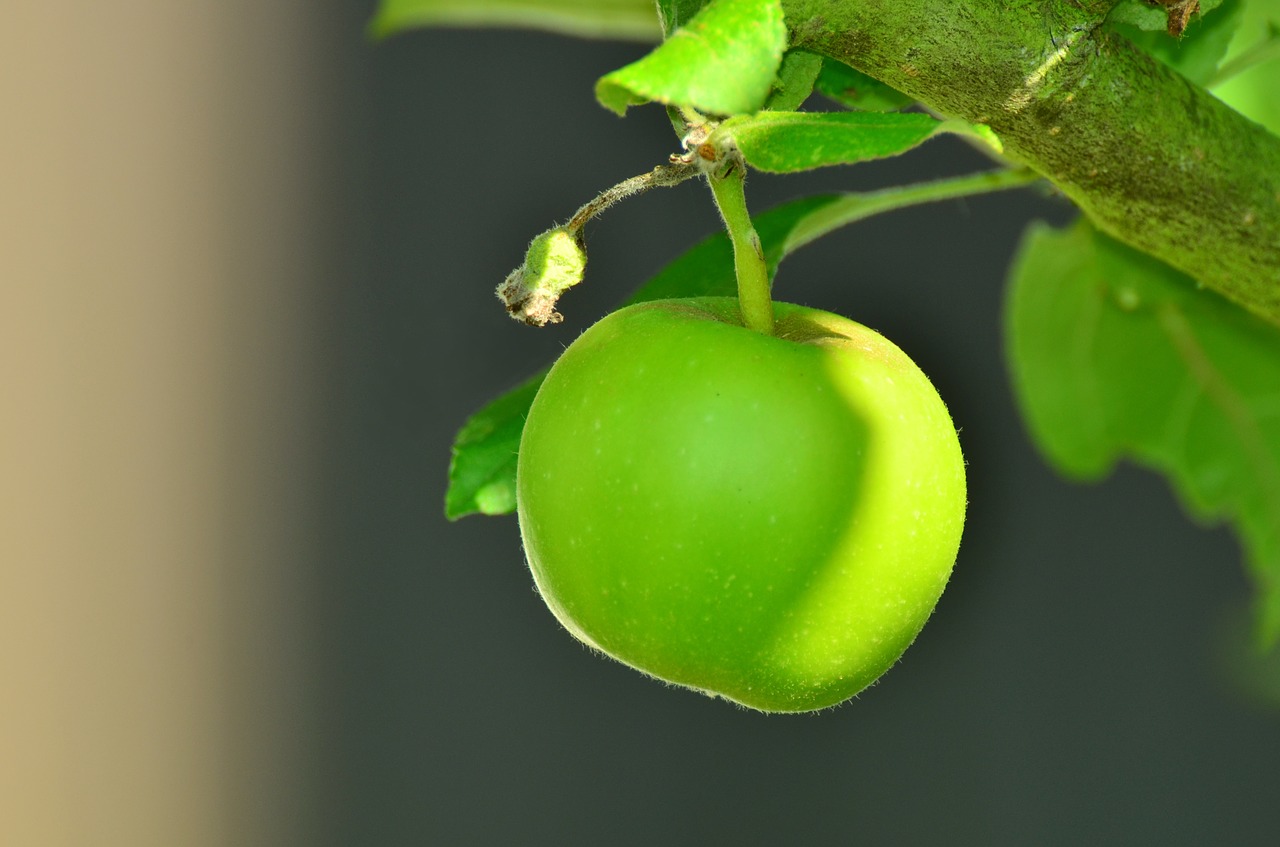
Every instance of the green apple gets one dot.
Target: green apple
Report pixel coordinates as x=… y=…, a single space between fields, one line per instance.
x=770 y=519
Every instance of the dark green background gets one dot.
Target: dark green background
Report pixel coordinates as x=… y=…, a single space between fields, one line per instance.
x=1069 y=689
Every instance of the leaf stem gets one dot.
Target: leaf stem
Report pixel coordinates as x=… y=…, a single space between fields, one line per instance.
x=851 y=208
x=1264 y=51
x=748 y=256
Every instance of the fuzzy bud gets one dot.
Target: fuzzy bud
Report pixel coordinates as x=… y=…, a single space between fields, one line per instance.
x=554 y=263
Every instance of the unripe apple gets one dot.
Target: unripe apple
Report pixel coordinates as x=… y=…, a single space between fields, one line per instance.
x=768 y=518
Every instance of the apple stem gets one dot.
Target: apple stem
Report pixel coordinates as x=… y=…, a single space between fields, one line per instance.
x=748 y=256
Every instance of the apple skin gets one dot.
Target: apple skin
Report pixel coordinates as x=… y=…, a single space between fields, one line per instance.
x=770 y=519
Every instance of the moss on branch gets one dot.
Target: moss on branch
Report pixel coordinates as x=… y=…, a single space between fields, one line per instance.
x=1154 y=160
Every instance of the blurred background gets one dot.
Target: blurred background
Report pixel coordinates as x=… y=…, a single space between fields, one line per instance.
x=246 y=299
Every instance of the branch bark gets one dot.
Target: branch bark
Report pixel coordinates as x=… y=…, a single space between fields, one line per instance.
x=1152 y=159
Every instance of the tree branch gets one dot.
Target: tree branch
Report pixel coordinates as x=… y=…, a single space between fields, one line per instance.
x=1153 y=160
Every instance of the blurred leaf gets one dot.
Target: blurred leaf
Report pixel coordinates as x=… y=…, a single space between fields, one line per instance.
x=786 y=142
x=795 y=80
x=1253 y=59
x=1144 y=16
x=1198 y=52
x=1115 y=355
x=482 y=475
x=855 y=90
x=633 y=20
x=1254 y=673
x=721 y=62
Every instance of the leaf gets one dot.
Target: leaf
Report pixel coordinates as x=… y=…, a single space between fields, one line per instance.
x=482 y=475
x=1115 y=355
x=855 y=90
x=632 y=20
x=1254 y=60
x=676 y=13
x=721 y=62
x=795 y=80
x=1197 y=53
x=1254 y=673
x=1152 y=18
x=786 y=142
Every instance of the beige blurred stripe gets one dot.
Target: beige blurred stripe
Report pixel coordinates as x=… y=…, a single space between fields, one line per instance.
x=156 y=334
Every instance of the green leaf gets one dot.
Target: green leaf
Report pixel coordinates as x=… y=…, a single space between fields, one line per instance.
x=1145 y=16
x=676 y=13
x=1201 y=48
x=786 y=142
x=1115 y=355
x=632 y=20
x=855 y=90
x=795 y=80
x=721 y=62
x=482 y=474
x=1253 y=61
